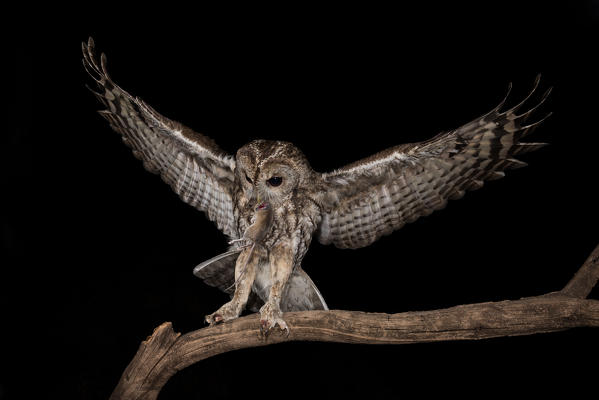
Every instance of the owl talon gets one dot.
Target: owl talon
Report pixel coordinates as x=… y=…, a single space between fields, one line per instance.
x=263 y=328
x=270 y=317
x=227 y=312
x=267 y=326
x=283 y=327
x=213 y=319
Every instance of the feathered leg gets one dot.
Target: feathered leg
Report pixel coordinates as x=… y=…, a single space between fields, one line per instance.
x=245 y=273
x=281 y=266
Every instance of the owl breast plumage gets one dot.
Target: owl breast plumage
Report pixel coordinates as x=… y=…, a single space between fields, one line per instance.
x=297 y=208
x=350 y=207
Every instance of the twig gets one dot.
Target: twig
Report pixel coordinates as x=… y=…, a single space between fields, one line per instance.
x=585 y=279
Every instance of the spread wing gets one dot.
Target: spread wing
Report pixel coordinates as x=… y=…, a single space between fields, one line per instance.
x=192 y=164
x=377 y=195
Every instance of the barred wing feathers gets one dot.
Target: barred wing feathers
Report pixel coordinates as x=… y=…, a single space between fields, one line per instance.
x=380 y=194
x=192 y=164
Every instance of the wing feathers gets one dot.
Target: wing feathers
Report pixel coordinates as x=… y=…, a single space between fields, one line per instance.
x=191 y=163
x=374 y=196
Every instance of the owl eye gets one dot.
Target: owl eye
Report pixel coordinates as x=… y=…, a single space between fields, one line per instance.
x=275 y=181
x=247 y=178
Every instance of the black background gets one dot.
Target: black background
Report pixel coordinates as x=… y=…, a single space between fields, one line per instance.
x=97 y=252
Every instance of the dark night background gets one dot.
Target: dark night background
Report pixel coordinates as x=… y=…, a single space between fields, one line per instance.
x=97 y=252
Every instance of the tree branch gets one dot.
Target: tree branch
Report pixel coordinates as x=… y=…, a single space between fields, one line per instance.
x=166 y=352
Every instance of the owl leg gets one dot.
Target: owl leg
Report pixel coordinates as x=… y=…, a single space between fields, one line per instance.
x=245 y=273
x=281 y=266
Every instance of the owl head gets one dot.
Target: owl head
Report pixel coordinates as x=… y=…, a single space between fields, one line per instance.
x=271 y=170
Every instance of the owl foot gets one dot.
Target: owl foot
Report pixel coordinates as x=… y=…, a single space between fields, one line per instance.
x=270 y=317
x=227 y=312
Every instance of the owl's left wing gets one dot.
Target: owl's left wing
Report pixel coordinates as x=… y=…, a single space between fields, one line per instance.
x=191 y=163
x=377 y=195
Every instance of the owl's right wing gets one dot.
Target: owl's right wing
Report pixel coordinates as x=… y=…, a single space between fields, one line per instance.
x=375 y=196
x=191 y=163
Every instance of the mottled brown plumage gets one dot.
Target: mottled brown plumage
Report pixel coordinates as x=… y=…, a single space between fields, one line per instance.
x=350 y=207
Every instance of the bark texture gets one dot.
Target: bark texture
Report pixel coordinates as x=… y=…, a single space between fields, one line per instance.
x=165 y=352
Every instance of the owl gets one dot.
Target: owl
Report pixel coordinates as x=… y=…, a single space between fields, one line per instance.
x=270 y=203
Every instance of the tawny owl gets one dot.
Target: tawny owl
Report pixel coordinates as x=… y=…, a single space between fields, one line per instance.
x=270 y=202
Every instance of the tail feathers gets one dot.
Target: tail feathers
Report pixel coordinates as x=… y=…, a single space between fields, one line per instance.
x=300 y=294
x=219 y=271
